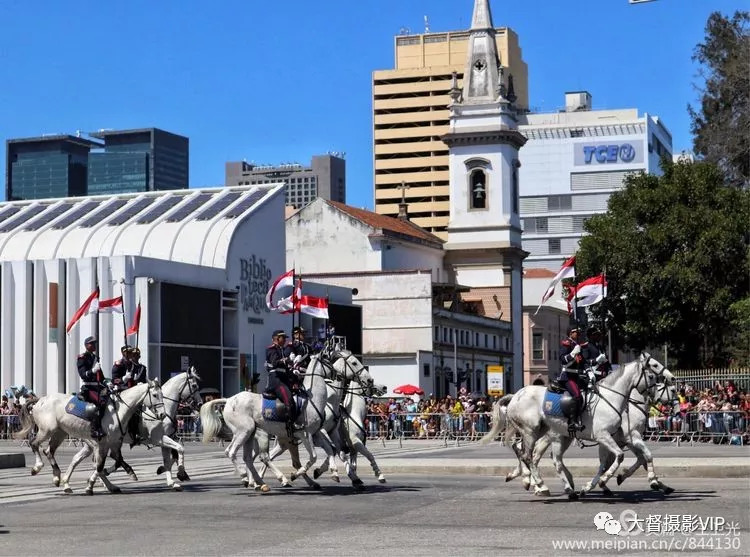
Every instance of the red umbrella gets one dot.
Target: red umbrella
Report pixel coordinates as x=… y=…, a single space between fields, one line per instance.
x=408 y=390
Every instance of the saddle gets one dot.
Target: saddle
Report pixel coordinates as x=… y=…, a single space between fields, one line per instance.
x=79 y=408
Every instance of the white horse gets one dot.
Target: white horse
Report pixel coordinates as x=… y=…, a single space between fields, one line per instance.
x=243 y=414
x=182 y=387
x=353 y=433
x=48 y=414
x=634 y=420
x=602 y=418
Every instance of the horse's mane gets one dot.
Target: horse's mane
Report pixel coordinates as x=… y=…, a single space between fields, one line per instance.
x=611 y=376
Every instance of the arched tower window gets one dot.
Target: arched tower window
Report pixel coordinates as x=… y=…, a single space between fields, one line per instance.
x=478 y=189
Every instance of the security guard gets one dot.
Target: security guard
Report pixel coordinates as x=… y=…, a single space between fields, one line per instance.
x=93 y=388
x=281 y=380
x=571 y=365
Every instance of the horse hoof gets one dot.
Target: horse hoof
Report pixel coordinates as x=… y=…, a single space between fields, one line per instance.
x=264 y=488
x=88 y=492
x=316 y=486
x=508 y=477
x=336 y=479
x=116 y=491
x=381 y=479
x=573 y=496
x=606 y=492
x=67 y=491
x=176 y=487
x=133 y=477
x=359 y=487
x=620 y=479
x=316 y=473
x=542 y=493
x=655 y=486
x=293 y=477
x=182 y=476
x=35 y=471
x=582 y=493
x=526 y=485
x=667 y=490
x=245 y=483
x=56 y=481
x=286 y=484
x=160 y=470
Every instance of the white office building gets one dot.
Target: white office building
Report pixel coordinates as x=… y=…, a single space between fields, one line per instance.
x=571 y=163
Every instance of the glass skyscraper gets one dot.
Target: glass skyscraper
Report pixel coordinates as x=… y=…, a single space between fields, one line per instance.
x=126 y=161
x=130 y=161
x=47 y=166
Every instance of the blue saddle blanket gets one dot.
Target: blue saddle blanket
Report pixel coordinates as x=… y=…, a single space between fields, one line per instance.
x=552 y=406
x=270 y=411
x=80 y=408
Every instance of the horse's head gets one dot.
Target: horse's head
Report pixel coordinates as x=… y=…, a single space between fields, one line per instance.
x=154 y=399
x=190 y=391
x=377 y=390
x=653 y=372
x=349 y=368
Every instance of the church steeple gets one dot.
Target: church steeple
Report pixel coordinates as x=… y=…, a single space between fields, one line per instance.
x=483 y=74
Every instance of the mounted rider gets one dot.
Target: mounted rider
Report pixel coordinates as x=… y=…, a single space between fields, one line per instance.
x=572 y=365
x=122 y=369
x=281 y=380
x=126 y=373
x=593 y=355
x=93 y=388
x=298 y=350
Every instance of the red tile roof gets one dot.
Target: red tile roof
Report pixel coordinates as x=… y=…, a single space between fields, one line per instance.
x=386 y=223
x=538 y=273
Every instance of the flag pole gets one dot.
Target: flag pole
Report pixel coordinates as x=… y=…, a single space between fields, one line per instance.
x=124 y=325
x=138 y=330
x=98 y=297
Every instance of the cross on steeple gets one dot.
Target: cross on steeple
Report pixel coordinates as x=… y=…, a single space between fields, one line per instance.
x=403 y=212
x=403 y=187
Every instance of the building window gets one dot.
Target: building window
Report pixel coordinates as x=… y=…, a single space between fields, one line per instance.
x=514 y=192
x=478 y=188
x=476 y=339
x=426 y=370
x=437 y=334
x=486 y=341
x=494 y=342
x=537 y=345
x=541 y=224
x=554 y=246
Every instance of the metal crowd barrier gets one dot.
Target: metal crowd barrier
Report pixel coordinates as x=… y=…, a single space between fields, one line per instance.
x=9 y=424
x=716 y=426
x=421 y=425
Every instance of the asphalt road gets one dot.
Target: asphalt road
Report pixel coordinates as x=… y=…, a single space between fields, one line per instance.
x=410 y=515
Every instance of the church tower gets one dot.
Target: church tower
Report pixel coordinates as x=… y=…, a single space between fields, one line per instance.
x=484 y=231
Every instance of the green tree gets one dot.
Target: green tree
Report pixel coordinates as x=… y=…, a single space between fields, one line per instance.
x=720 y=125
x=675 y=251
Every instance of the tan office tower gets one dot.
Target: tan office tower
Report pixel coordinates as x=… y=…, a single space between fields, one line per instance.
x=410 y=107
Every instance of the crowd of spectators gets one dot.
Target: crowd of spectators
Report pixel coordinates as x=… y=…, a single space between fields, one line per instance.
x=702 y=413
x=10 y=408
x=429 y=417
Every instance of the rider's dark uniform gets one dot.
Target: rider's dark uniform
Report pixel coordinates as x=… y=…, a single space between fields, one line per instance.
x=92 y=389
x=571 y=367
x=122 y=373
x=298 y=347
x=280 y=379
x=591 y=353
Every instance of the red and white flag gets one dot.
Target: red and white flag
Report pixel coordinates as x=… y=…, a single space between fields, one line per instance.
x=312 y=305
x=589 y=292
x=287 y=279
x=84 y=309
x=290 y=304
x=112 y=305
x=136 y=321
x=568 y=270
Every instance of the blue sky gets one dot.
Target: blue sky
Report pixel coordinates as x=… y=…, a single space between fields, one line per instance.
x=275 y=82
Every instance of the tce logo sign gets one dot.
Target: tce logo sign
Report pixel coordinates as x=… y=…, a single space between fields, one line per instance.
x=608 y=153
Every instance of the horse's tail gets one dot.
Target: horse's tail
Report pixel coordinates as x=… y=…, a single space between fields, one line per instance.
x=210 y=421
x=27 y=420
x=498 y=420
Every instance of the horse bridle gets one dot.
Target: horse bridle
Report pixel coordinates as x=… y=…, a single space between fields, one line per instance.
x=642 y=377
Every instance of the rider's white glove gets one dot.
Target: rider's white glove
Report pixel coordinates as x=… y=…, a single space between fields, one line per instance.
x=592 y=376
x=297 y=359
x=601 y=358
x=97 y=367
x=127 y=376
x=576 y=350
